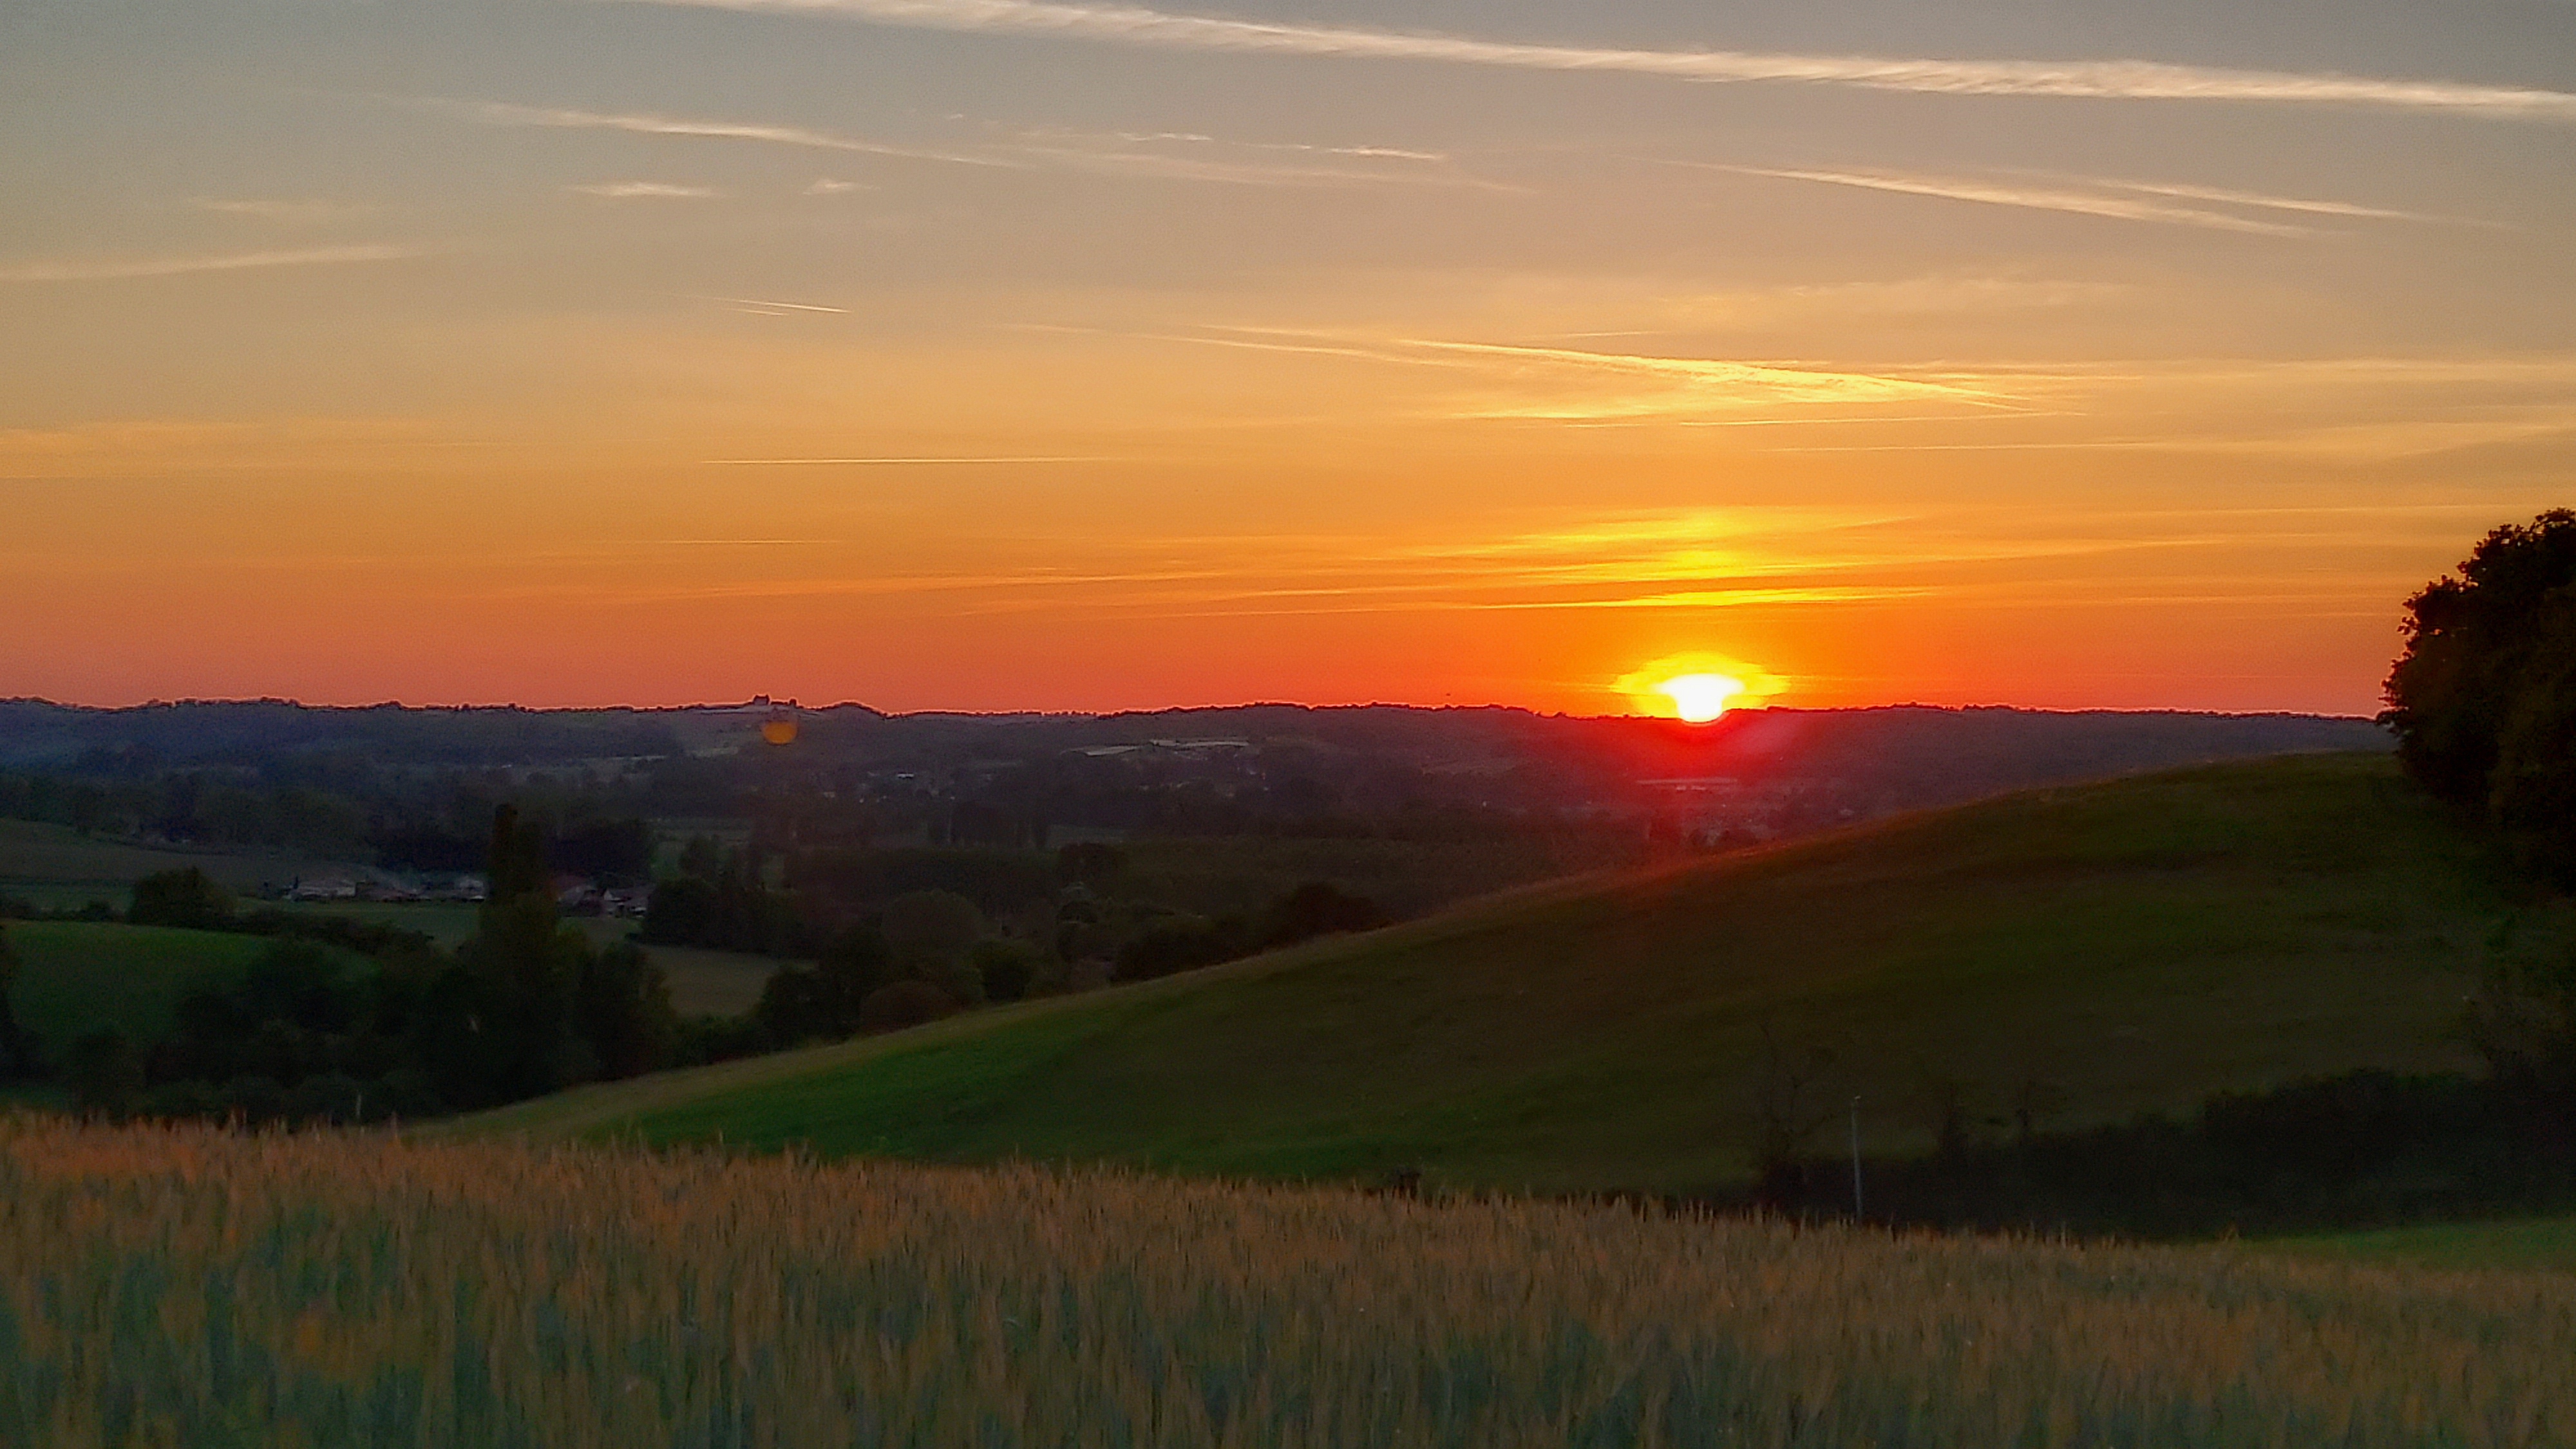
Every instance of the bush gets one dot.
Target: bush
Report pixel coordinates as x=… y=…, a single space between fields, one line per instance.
x=105 y=1074
x=188 y=898
x=900 y=1004
x=925 y=930
x=1006 y=969
x=1317 y=908
x=1182 y=943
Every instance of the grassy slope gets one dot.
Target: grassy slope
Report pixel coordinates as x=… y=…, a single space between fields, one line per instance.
x=77 y=976
x=2125 y=946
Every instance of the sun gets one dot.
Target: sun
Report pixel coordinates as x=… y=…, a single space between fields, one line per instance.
x=1699 y=698
x=1697 y=688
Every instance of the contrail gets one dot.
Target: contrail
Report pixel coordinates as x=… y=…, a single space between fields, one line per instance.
x=2100 y=79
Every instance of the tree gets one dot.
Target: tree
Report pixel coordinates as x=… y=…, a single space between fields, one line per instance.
x=517 y=863
x=520 y=969
x=622 y=1006
x=187 y=897
x=1317 y=908
x=2483 y=700
x=16 y=1058
x=2523 y=1017
x=822 y=1001
x=928 y=930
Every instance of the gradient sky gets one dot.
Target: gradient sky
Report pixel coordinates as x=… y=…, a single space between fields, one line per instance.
x=986 y=354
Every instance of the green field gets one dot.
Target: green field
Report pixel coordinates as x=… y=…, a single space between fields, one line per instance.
x=2088 y=953
x=57 y=867
x=2525 y=1243
x=77 y=976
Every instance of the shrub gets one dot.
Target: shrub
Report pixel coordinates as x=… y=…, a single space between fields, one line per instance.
x=900 y=1004
x=1006 y=969
x=188 y=898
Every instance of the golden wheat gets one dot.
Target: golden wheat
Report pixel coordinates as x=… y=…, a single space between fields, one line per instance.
x=187 y=1286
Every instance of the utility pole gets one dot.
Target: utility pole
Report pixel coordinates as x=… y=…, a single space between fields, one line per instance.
x=1855 y=1151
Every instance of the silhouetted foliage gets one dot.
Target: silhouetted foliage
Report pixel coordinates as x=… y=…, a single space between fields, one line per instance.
x=1090 y=863
x=622 y=1008
x=612 y=852
x=1006 y=969
x=1179 y=943
x=2483 y=701
x=899 y=1004
x=1317 y=908
x=17 y=1053
x=929 y=930
x=516 y=864
x=731 y=910
x=2522 y=1020
x=186 y=897
x=822 y=1001
x=2364 y=1149
x=104 y=1072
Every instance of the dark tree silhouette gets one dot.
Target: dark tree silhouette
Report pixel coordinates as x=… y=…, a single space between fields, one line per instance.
x=16 y=1060
x=186 y=897
x=2483 y=701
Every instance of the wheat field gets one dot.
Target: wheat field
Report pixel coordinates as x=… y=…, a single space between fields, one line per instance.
x=190 y=1286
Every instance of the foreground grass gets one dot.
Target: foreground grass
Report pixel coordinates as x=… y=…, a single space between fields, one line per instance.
x=2083 y=954
x=189 y=1286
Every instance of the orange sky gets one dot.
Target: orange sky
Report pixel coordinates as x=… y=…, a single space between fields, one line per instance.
x=661 y=353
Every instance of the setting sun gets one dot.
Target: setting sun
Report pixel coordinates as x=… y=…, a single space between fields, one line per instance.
x=1699 y=698
x=1697 y=687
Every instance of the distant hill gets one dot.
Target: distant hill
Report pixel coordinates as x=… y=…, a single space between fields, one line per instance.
x=380 y=783
x=2077 y=954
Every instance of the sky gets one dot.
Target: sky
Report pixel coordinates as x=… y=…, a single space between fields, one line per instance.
x=998 y=354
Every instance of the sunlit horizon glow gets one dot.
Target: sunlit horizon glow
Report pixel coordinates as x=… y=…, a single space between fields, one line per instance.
x=1701 y=698
x=1004 y=355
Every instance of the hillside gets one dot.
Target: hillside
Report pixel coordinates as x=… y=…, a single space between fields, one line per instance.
x=2080 y=954
x=77 y=976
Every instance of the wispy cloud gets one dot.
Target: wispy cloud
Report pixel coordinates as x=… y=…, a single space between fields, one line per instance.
x=767 y=307
x=900 y=461
x=1186 y=157
x=96 y=269
x=1203 y=158
x=1769 y=382
x=2037 y=198
x=646 y=190
x=297 y=213
x=834 y=186
x=2307 y=205
x=501 y=113
x=2102 y=79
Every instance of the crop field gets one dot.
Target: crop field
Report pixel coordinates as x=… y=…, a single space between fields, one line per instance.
x=2083 y=954
x=189 y=1286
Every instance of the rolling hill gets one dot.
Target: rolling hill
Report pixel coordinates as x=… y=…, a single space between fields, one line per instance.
x=78 y=976
x=2079 y=954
